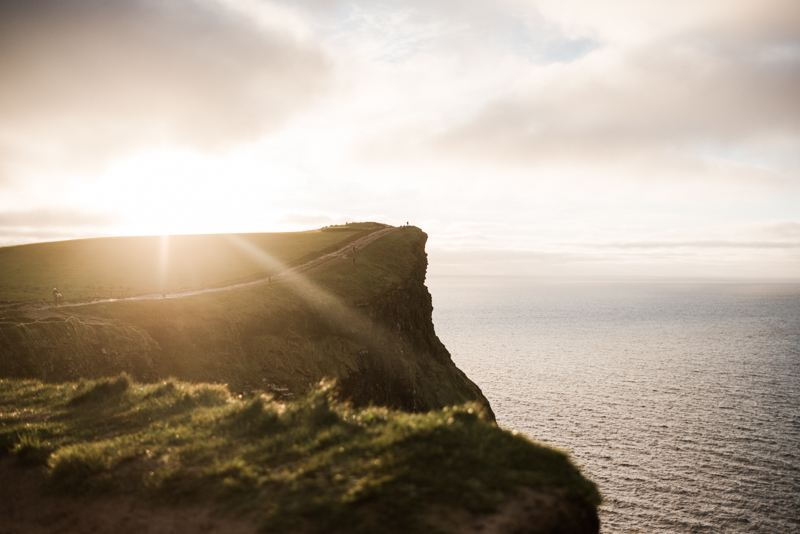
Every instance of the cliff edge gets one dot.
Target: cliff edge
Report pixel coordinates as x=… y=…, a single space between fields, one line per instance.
x=208 y=410
x=365 y=321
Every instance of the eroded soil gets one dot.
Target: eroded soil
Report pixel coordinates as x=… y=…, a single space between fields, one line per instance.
x=28 y=507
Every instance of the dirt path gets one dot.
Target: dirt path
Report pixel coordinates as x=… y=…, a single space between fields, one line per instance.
x=342 y=255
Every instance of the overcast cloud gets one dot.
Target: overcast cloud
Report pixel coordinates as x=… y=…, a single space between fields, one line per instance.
x=87 y=80
x=526 y=136
x=715 y=99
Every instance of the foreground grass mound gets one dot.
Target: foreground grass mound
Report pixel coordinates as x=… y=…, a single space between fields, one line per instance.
x=311 y=465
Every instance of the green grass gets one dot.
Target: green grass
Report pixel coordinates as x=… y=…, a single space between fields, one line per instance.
x=313 y=464
x=383 y=265
x=126 y=266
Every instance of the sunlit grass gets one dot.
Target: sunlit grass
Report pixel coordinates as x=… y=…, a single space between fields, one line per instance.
x=281 y=337
x=313 y=463
x=125 y=266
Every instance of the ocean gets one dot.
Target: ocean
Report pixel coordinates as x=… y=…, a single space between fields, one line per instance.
x=680 y=400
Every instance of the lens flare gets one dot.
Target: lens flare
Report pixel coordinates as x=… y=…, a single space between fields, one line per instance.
x=163 y=261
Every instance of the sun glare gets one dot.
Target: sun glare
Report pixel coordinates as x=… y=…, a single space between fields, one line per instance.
x=184 y=192
x=163 y=261
x=264 y=260
x=322 y=301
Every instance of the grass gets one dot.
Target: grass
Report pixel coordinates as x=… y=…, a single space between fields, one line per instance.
x=314 y=464
x=126 y=266
x=383 y=265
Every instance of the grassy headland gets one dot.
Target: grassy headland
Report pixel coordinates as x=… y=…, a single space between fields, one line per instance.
x=365 y=321
x=284 y=449
x=310 y=465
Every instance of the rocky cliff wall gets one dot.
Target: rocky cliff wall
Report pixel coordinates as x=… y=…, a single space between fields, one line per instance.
x=405 y=364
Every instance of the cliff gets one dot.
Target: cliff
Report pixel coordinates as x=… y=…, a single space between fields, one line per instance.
x=365 y=322
x=225 y=457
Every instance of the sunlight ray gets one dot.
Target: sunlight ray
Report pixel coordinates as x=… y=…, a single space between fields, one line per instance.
x=330 y=308
x=163 y=261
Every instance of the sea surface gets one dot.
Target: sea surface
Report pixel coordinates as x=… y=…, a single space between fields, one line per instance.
x=680 y=400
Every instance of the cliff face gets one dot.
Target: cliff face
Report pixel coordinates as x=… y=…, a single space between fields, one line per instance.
x=366 y=323
x=404 y=363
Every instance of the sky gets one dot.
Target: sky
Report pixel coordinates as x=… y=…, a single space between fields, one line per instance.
x=577 y=138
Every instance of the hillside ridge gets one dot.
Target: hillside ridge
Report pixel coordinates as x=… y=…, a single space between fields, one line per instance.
x=360 y=314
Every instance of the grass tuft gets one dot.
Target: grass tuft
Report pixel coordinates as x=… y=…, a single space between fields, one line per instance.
x=104 y=390
x=32 y=447
x=255 y=418
x=81 y=467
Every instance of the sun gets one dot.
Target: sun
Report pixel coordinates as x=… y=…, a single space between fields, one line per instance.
x=172 y=192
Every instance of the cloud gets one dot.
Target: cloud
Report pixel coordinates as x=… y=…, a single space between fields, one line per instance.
x=775 y=264
x=692 y=244
x=714 y=100
x=306 y=220
x=51 y=224
x=55 y=217
x=85 y=80
x=780 y=230
x=525 y=135
x=464 y=31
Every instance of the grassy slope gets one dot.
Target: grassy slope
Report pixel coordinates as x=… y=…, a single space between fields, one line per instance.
x=149 y=264
x=312 y=465
x=294 y=334
x=280 y=337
